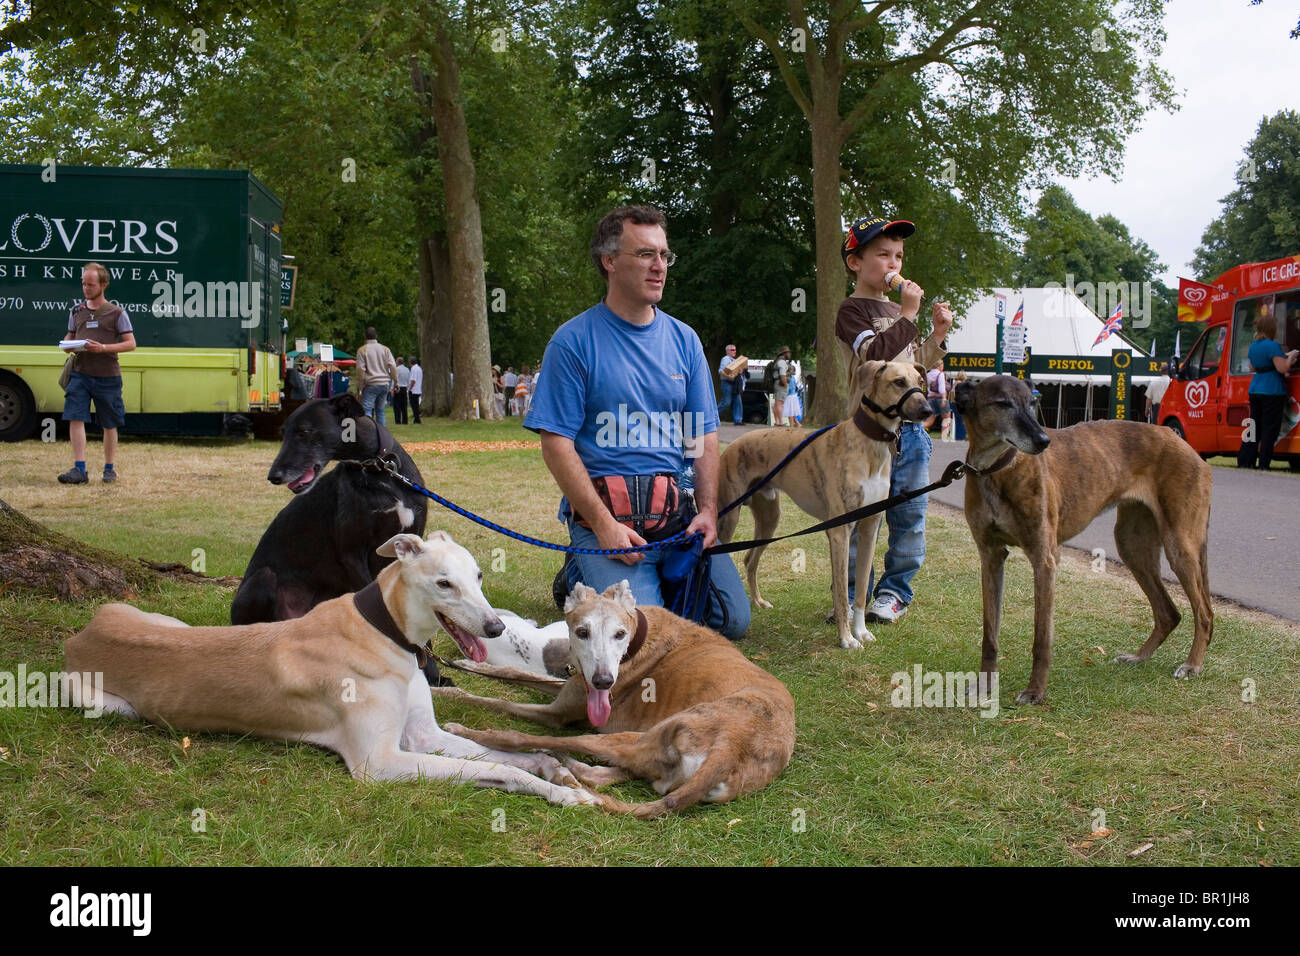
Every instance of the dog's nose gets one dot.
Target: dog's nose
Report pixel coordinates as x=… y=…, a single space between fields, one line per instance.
x=1042 y=441
x=275 y=477
x=602 y=681
x=493 y=627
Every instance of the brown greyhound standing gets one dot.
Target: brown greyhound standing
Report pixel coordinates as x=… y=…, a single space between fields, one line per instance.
x=1051 y=492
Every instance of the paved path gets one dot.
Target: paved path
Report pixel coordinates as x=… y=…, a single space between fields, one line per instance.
x=1254 y=531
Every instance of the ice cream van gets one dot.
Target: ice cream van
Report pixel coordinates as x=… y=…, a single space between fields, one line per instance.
x=1208 y=400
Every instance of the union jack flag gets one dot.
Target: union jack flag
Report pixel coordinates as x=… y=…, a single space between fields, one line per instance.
x=1113 y=324
x=1019 y=317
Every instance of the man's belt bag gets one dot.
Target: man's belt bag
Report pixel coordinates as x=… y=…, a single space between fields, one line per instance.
x=650 y=505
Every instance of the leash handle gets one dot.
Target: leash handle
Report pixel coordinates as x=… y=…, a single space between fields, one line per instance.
x=392 y=469
x=954 y=471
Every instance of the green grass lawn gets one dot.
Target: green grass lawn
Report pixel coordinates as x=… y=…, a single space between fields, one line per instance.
x=1188 y=766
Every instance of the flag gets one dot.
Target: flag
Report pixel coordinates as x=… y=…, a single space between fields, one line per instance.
x=1178 y=337
x=1153 y=347
x=1195 y=299
x=1019 y=317
x=1113 y=324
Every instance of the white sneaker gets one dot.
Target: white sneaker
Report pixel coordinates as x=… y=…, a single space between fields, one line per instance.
x=886 y=608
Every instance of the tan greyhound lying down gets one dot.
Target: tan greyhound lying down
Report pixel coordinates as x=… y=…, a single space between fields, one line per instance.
x=345 y=676
x=674 y=703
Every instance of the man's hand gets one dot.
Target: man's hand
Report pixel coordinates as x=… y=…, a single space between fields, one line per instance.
x=93 y=346
x=707 y=522
x=910 y=305
x=613 y=535
x=942 y=318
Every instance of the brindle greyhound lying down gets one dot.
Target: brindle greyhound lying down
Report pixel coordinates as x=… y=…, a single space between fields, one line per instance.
x=344 y=676
x=674 y=703
x=1035 y=488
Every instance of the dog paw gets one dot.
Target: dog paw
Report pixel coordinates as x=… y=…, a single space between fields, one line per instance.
x=577 y=797
x=1184 y=671
x=1127 y=659
x=759 y=602
x=551 y=769
x=850 y=643
x=1028 y=696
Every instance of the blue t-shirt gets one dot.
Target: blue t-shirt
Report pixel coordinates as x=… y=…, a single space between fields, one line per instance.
x=625 y=394
x=1270 y=381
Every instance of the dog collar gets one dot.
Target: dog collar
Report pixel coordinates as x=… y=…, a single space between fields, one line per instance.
x=370 y=605
x=872 y=428
x=996 y=466
x=637 y=639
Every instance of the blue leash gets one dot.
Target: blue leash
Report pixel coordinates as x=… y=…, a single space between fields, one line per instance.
x=391 y=468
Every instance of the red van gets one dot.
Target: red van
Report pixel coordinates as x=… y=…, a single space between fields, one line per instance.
x=1208 y=401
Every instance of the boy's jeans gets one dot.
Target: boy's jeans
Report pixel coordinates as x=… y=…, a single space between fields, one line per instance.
x=911 y=469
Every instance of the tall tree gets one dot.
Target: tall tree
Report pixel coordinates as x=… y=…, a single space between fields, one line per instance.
x=1064 y=246
x=1261 y=217
x=991 y=96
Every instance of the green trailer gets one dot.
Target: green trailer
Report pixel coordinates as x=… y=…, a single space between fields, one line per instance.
x=194 y=257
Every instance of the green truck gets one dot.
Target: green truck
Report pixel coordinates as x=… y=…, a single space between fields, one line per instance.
x=194 y=257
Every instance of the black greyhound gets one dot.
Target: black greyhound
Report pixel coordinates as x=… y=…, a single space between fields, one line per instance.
x=322 y=543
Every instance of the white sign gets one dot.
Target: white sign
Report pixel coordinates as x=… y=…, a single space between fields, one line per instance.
x=327 y=353
x=1014 y=338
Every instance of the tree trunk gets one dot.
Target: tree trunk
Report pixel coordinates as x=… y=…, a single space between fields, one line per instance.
x=36 y=559
x=832 y=391
x=471 y=346
x=433 y=326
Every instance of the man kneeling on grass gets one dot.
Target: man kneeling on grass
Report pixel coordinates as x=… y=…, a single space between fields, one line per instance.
x=626 y=388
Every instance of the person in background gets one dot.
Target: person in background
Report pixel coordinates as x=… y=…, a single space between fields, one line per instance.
x=958 y=426
x=96 y=373
x=1156 y=393
x=401 y=396
x=781 y=385
x=732 y=387
x=523 y=386
x=417 y=385
x=1268 y=393
x=376 y=376
x=509 y=381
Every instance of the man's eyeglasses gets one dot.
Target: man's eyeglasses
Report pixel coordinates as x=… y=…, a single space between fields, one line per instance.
x=648 y=256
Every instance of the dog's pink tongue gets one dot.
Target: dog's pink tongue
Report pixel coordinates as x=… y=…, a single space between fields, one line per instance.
x=477 y=650
x=598 y=707
x=307 y=476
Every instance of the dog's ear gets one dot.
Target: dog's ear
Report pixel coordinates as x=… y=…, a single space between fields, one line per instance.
x=402 y=546
x=622 y=593
x=347 y=405
x=439 y=535
x=963 y=396
x=865 y=373
x=920 y=370
x=579 y=594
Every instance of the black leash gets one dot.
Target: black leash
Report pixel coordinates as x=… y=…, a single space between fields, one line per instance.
x=953 y=472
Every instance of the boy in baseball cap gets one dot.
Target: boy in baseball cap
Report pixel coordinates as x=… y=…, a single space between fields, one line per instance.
x=872 y=328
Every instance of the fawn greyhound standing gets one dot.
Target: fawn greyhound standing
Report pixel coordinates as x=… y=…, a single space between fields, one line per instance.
x=846 y=468
x=344 y=676
x=1052 y=491
x=674 y=703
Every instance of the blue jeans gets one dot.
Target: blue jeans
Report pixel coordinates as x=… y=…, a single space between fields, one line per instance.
x=911 y=470
x=374 y=400
x=728 y=605
x=731 y=392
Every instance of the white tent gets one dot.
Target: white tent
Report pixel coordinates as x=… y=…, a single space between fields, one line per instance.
x=1058 y=323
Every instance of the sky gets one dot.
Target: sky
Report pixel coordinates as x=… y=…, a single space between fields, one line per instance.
x=1232 y=64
